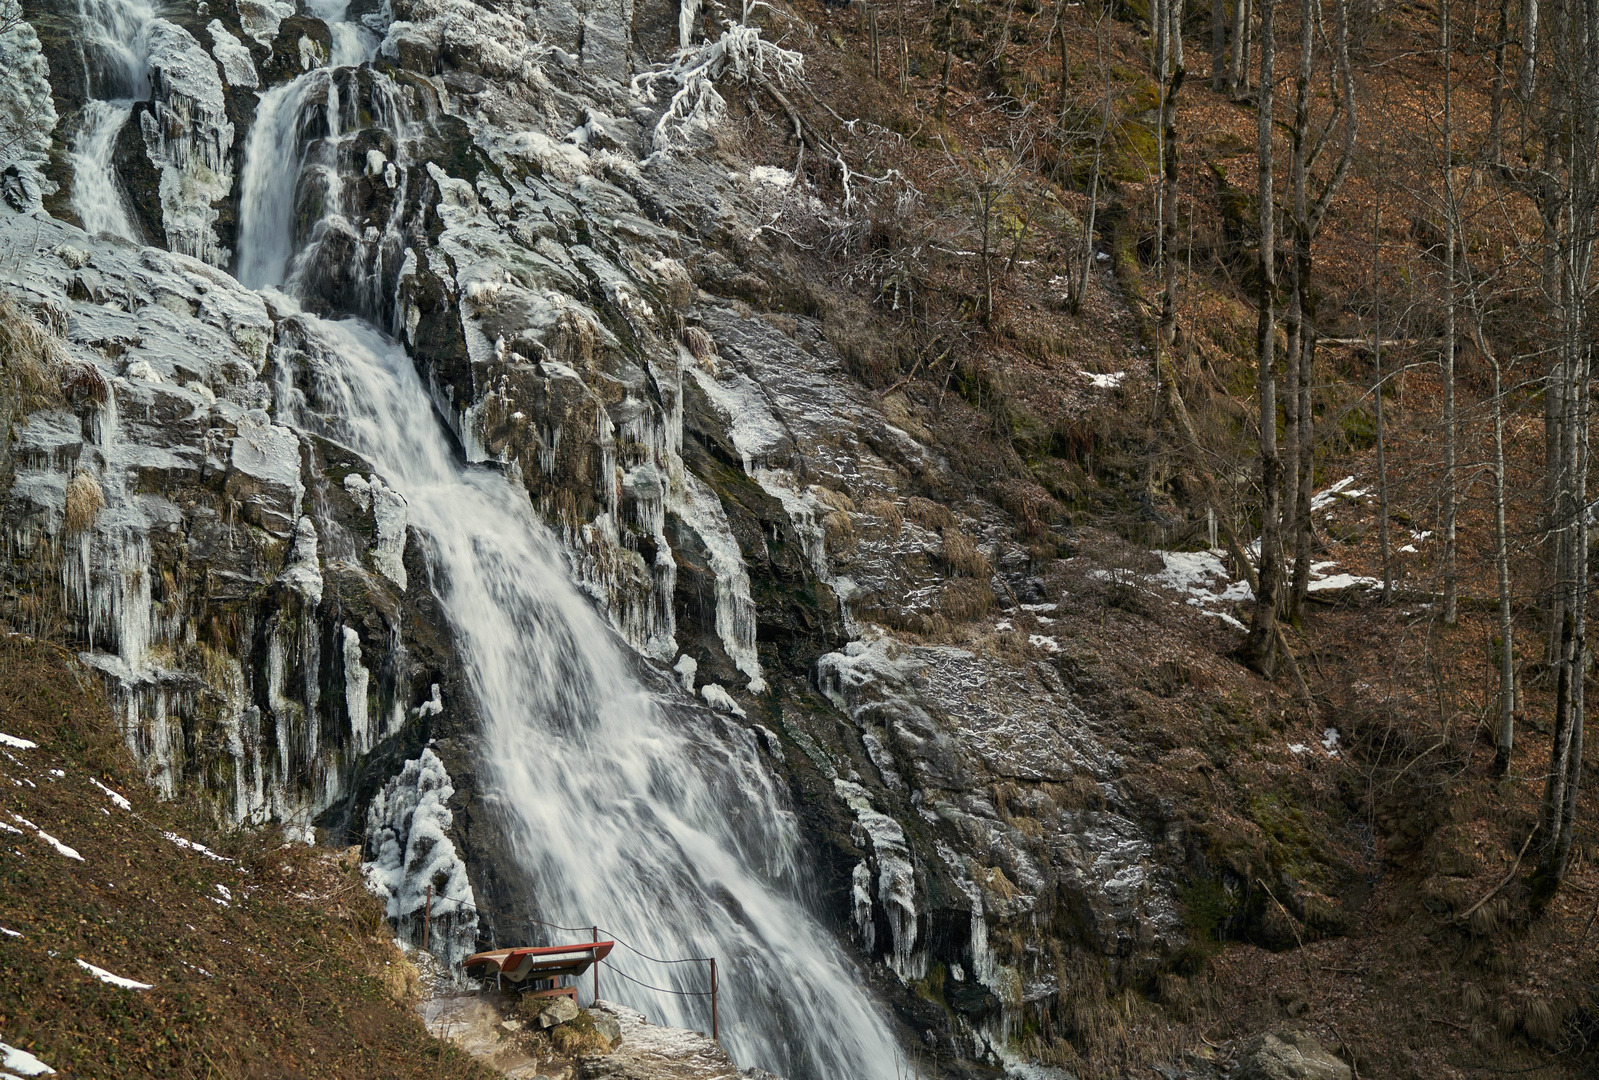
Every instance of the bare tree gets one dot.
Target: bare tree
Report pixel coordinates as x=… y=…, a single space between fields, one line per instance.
x=1260 y=649
x=1309 y=211
x=1570 y=134
x=1378 y=388
x=1451 y=494
x=1238 y=61
x=1077 y=291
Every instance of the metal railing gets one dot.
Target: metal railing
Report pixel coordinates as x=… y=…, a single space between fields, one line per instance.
x=595 y=930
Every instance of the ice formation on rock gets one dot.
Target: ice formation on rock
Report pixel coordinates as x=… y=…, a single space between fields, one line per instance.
x=189 y=139
x=27 y=113
x=413 y=860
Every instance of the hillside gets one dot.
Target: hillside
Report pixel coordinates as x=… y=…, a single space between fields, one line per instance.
x=232 y=954
x=788 y=484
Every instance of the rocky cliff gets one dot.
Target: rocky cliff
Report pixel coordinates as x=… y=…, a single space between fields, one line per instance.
x=541 y=203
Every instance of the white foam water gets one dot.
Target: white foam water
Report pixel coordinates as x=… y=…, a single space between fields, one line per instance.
x=96 y=195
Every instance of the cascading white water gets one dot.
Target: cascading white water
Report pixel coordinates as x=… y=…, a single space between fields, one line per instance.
x=655 y=820
x=96 y=195
x=114 y=50
x=641 y=812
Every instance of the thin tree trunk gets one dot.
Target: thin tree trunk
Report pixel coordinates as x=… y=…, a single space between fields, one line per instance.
x=1506 y=743
x=904 y=50
x=1081 y=292
x=1260 y=648
x=1238 y=62
x=1496 y=112
x=1525 y=82
x=1294 y=420
x=949 y=56
x=1065 y=61
x=1168 y=303
x=1376 y=359
x=1303 y=530
x=1218 y=45
x=1450 y=495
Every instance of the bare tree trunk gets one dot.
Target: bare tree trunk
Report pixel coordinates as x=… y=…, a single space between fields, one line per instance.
x=1294 y=396
x=1159 y=64
x=1261 y=647
x=1376 y=359
x=1496 y=112
x=1065 y=65
x=1525 y=82
x=1506 y=743
x=904 y=50
x=1168 y=303
x=1579 y=124
x=1078 y=295
x=1450 y=495
x=1218 y=45
x=1238 y=62
x=1172 y=73
x=949 y=56
x=1303 y=531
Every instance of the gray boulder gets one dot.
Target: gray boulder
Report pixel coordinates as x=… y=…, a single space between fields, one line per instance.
x=561 y=1010
x=1289 y=1055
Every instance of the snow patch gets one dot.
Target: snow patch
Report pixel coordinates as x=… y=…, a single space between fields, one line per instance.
x=190 y=845
x=16 y=743
x=22 y=1063
x=1108 y=381
x=115 y=980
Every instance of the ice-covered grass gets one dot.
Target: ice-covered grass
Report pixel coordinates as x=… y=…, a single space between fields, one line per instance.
x=415 y=870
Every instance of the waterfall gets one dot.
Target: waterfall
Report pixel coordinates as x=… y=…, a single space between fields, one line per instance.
x=96 y=195
x=114 y=48
x=653 y=818
x=631 y=807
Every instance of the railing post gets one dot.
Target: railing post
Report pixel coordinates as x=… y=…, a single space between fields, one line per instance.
x=427 y=917
x=716 y=1036
x=596 y=931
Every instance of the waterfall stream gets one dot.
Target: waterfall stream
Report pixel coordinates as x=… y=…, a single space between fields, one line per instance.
x=629 y=807
x=113 y=51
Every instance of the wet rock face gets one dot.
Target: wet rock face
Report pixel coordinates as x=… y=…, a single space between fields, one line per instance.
x=235 y=593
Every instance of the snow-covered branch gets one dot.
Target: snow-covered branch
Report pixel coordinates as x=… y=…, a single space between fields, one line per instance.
x=690 y=80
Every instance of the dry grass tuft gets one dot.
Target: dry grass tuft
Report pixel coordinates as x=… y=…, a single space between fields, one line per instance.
x=964 y=599
x=85 y=500
x=698 y=342
x=960 y=555
x=400 y=979
x=30 y=355
x=886 y=512
x=1542 y=1022
x=82 y=382
x=579 y=1038
x=928 y=514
